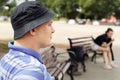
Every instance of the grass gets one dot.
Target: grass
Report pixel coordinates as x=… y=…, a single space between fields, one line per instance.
x=64 y=46
x=3 y=47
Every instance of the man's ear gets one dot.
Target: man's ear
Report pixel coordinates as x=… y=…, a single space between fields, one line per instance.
x=33 y=31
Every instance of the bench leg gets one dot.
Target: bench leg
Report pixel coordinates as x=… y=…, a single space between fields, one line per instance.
x=112 y=54
x=94 y=56
x=70 y=72
x=84 y=66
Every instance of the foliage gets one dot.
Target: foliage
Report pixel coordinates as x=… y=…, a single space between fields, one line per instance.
x=63 y=8
x=12 y=7
x=11 y=10
x=92 y=9
x=97 y=9
x=3 y=2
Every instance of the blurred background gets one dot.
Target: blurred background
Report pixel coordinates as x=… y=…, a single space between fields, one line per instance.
x=74 y=18
x=82 y=11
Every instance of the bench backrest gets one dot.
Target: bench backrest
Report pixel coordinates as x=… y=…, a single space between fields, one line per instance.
x=81 y=41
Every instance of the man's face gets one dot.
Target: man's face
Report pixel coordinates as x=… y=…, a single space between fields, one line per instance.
x=44 y=34
x=109 y=34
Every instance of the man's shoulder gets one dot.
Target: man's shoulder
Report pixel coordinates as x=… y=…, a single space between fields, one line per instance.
x=22 y=63
x=19 y=59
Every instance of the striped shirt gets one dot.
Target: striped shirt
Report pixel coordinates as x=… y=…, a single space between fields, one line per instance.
x=22 y=63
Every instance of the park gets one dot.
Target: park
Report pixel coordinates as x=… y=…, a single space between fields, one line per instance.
x=77 y=21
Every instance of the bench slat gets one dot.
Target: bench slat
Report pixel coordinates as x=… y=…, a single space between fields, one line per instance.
x=53 y=69
x=64 y=70
x=53 y=65
x=79 y=38
x=58 y=71
x=64 y=66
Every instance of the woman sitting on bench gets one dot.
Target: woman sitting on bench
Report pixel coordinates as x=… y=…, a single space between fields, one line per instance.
x=103 y=43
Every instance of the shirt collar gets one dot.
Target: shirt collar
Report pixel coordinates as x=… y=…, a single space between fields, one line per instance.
x=25 y=50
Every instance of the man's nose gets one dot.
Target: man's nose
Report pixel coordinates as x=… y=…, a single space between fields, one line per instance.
x=53 y=30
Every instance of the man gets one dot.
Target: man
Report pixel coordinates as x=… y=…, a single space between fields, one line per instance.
x=33 y=30
x=103 y=43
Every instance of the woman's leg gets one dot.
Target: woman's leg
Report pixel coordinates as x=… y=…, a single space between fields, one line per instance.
x=105 y=56
x=110 y=60
x=103 y=49
x=110 y=57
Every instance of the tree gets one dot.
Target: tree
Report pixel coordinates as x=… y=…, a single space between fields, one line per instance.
x=97 y=9
x=117 y=8
x=93 y=9
x=63 y=8
x=2 y=3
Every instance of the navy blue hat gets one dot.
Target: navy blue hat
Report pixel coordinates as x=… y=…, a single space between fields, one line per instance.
x=29 y=15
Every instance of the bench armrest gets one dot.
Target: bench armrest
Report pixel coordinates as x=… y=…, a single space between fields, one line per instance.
x=71 y=54
x=58 y=68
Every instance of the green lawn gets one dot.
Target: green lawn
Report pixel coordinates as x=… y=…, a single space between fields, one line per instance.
x=3 y=47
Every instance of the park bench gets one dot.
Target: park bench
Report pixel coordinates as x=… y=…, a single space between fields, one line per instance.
x=55 y=67
x=81 y=46
x=85 y=44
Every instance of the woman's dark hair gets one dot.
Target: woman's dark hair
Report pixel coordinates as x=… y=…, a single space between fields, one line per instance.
x=109 y=29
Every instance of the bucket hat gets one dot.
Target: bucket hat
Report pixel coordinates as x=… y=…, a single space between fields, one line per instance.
x=27 y=16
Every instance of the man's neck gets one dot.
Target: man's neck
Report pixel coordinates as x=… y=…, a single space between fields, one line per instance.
x=27 y=44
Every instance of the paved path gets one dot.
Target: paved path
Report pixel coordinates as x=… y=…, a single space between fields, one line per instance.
x=63 y=31
x=95 y=71
x=6 y=31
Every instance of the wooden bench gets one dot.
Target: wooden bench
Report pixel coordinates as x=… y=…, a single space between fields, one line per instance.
x=55 y=67
x=85 y=42
x=84 y=46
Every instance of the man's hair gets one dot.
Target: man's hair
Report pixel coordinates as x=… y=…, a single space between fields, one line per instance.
x=109 y=29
